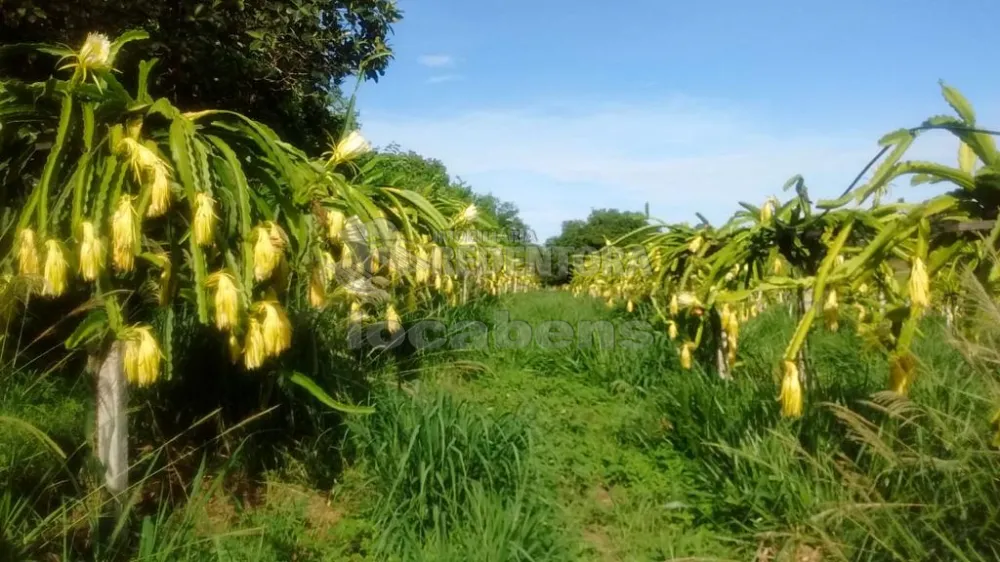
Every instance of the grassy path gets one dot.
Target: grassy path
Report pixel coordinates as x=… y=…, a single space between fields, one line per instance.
x=614 y=497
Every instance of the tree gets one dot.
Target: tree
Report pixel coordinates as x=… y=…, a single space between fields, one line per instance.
x=430 y=178
x=280 y=62
x=124 y=215
x=582 y=237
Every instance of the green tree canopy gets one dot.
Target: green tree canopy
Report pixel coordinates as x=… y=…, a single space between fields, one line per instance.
x=278 y=61
x=430 y=178
x=601 y=225
x=583 y=236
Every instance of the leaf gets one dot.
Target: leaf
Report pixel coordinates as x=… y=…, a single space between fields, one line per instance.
x=35 y=432
x=182 y=149
x=93 y=326
x=894 y=137
x=966 y=158
x=958 y=102
x=123 y=39
x=318 y=393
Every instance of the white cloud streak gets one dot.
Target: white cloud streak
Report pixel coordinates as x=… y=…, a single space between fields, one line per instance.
x=436 y=61
x=680 y=155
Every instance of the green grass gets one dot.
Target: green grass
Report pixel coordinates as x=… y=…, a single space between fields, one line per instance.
x=590 y=452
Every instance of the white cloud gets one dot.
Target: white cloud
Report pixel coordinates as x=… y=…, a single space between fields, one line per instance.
x=442 y=78
x=680 y=155
x=436 y=61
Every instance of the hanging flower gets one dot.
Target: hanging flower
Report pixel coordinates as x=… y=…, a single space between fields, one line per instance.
x=672 y=330
x=227 y=300
x=317 y=289
x=265 y=254
x=686 y=355
x=27 y=253
x=204 y=219
x=123 y=235
x=276 y=328
x=159 y=190
x=831 y=311
x=334 y=224
x=791 y=391
x=919 y=285
x=234 y=347
x=150 y=170
x=55 y=269
x=142 y=356
x=254 y=350
x=675 y=306
x=91 y=252
x=392 y=320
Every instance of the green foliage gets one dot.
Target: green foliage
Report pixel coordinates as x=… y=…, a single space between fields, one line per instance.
x=276 y=61
x=603 y=226
x=430 y=178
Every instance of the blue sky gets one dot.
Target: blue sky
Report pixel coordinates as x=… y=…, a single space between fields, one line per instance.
x=562 y=106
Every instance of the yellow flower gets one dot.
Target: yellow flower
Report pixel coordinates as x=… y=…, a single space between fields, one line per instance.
x=919 y=285
x=356 y=316
x=142 y=356
x=149 y=170
x=265 y=255
x=317 y=289
x=674 y=305
x=55 y=269
x=725 y=317
x=695 y=244
x=686 y=355
x=91 y=252
x=423 y=266
x=123 y=235
x=901 y=370
x=629 y=306
x=346 y=257
x=733 y=332
x=334 y=224
x=227 y=300
x=398 y=258
x=672 y=330
x=350 y=146
x=27 y=253
x=831 y=311
x=468 y=214
x=449 y=285
x=234 y=347
x=204 y=219
x=861 y=311
x=437 y=259
x=791 y=391
x=767 y=210
x=392 y=320
x=687 y=300
x=159 y=190
x=276 y=328
x=95 y=54
x=254 y=350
